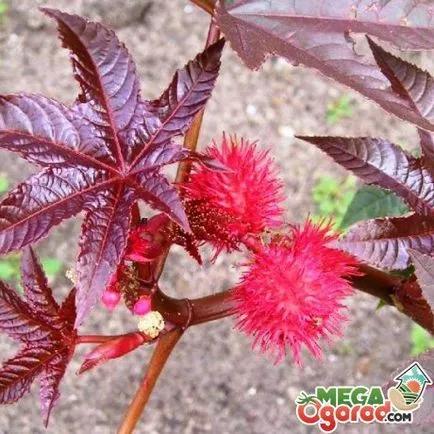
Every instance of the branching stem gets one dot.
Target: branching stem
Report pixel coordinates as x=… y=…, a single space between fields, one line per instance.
x=382 y=285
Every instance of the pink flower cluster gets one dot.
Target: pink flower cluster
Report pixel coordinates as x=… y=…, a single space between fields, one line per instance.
x=293 y=287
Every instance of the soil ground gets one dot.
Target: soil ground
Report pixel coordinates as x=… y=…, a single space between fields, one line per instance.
x=214 y=382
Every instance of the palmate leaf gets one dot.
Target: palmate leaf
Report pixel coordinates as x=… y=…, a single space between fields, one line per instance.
x=414 y=85
x=36 y=291
x=380 y=162
x=315 y=33
x=46 y=332
x=103 y=154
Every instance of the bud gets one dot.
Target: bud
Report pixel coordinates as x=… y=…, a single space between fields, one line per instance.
x=145 y=243
x=142 y=306
x=112 y=350
x=110 y=299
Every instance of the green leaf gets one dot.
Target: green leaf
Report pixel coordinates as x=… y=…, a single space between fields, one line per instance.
x=4 y=183
x=326 y=207
x=372 y=202
x=421 y=340
x=7 y=270
x=347 y=198
x=52 y=266
x=407 y=272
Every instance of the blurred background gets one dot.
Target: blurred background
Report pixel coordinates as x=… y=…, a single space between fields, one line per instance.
x=213 y=382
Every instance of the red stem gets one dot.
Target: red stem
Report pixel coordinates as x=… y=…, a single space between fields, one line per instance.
x=95 y=339
x=206 y=5
x=378 y=283
x=164 y=348
x=397 y=291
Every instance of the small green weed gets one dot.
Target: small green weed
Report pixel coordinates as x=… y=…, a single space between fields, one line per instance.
x=421 y=340
x=332 y=198
x=339 y=109
x=10 y=267
x=4 y=183
x=3 y=9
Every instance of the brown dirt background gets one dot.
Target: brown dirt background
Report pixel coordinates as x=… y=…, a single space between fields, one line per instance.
x=213 y=383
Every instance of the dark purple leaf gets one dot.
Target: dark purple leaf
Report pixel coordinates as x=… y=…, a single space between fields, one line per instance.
x=161 y=195
x=168 y=153
x=408 y=81
x=103 y=241
x=50 y=379
x=160 y=155
x=316 y=34
x=37 y=294
x=186 y=95
x=408 y=24
x=43 y=201
x=210 y=163
x=106 y=74
x=45 y=330
x=67 y=311
x=410 y=298
x=380 y=162
x=111 y=144
x=17 y=319
x=424 y=269
x=47 y=133
x=385 y=242
x=18 y=373
x=427 y=146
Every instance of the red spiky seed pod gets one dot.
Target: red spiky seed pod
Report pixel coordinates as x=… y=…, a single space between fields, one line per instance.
x=292 y=291
x=246 y=198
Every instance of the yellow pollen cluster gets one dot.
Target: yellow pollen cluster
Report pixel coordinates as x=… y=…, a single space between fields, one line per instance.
x=152 y=324
x=71 y=274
